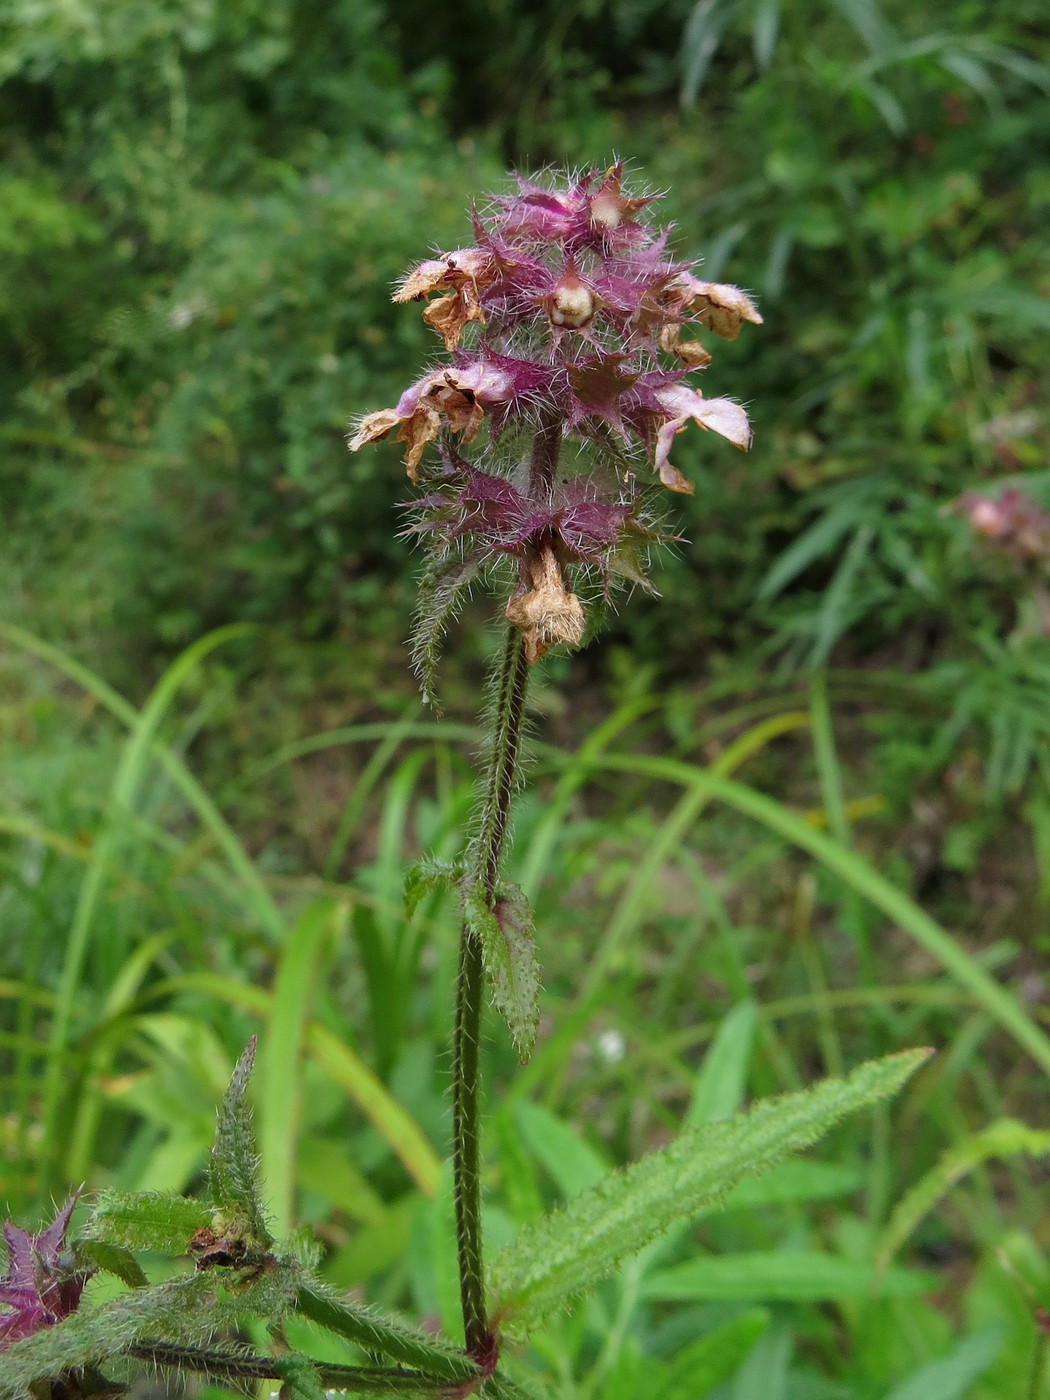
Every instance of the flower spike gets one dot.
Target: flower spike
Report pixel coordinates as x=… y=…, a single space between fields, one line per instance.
x=566 y=322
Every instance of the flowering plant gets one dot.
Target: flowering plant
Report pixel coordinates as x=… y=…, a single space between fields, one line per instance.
x=554 y=323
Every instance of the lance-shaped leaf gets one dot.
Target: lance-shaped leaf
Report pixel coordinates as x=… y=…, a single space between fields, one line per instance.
x=234 y=1163
x=384 y=1336
x=508 y=945
x=156 y=1220
x=569 y=1250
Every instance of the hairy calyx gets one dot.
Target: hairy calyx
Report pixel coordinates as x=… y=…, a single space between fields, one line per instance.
x=566 y=319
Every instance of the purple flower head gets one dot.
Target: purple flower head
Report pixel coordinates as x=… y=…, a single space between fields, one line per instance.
x=566 y=320
x=42 y=1284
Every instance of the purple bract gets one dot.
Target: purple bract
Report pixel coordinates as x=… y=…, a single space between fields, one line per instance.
x=42 y=1284
x=566 y=320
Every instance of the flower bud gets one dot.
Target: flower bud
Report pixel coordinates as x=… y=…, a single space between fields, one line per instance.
x=572 y=304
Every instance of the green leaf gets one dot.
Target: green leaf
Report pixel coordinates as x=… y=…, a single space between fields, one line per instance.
x=344 y=1067
x=428 y=874
x=508 y=945
x=500 y=1387
x=299 y=1375
x=567 y=1251
x=788 y=1276
x=795 y=1180
x=114 y=1259
x=714 y=1358
x=325 y=1167
x=155 y=1220
x=442 y=589
x=280 y=1068
x=719 y=1088
x=859 y=875
x=703 y=34
x=234 y=1164
x=571 y=1161
x=1004 y=1138
x=951 y=1376
x=127 y=782
x=764 y=29
x=383 y=1335
x=764 y=1374
x=848 y=510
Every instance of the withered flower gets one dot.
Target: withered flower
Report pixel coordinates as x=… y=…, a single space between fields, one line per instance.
x=575 y=301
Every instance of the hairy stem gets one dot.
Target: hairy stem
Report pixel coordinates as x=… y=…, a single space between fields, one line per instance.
x=246 y=1365
x=487 y=849
x=543 y=463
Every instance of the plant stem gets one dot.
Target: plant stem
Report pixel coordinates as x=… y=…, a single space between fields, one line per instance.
x=487 y=848
x=230 y=1365
x=505 y=728
x=543 y=462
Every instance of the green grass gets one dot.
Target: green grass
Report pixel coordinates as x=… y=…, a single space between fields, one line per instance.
x=154 y=931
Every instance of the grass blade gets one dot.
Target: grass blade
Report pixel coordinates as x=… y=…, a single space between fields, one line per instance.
x=126 y=782
x=1005 y=1138
x=281 y=1058
x=861 y=876
x=950 y=1377
x=790 y=1276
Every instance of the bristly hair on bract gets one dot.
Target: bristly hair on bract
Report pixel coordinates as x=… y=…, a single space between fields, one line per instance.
x=565 y=321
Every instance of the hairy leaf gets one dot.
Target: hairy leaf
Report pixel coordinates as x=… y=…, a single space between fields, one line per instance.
x=300 y=1377
x=157 y=1220
x=383 y=1335
x=569 y=1250
x=508 y=945
x=241 y=1363
x=234 y=1162
x=442 y=589
x=116 y=1260
x=427 y=874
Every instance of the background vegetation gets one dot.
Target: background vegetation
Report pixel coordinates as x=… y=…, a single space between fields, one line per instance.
x=202 y=208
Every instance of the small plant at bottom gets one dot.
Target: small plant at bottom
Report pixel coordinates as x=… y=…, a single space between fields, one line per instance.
x=568 y=358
